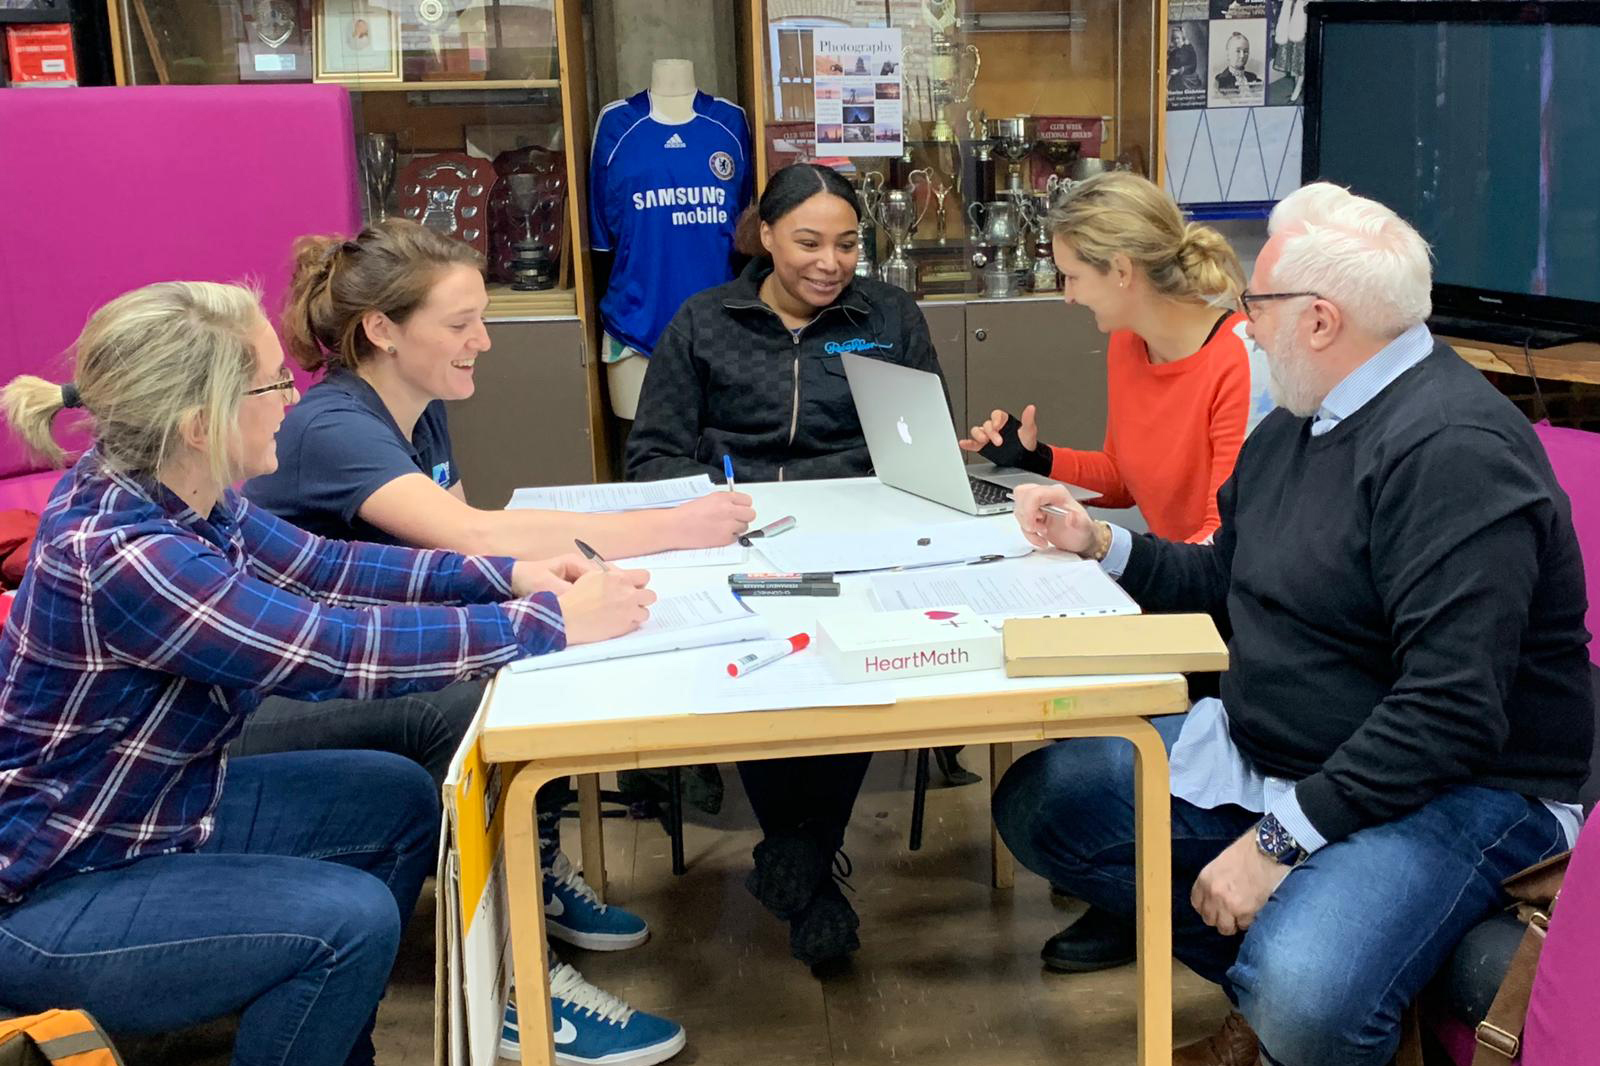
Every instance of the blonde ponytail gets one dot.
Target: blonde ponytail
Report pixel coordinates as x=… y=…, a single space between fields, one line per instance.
x=1211 y=265
x=30 y=405
x=1121 y=213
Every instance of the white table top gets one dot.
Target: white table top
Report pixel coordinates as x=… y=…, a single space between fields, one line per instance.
x=622 y=689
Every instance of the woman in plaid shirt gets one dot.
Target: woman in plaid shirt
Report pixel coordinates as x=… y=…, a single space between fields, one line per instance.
x=142 y=876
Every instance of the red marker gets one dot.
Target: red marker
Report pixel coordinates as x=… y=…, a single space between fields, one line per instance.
x=757 y=659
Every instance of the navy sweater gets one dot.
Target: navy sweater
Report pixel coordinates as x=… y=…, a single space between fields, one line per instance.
x=1406 y=603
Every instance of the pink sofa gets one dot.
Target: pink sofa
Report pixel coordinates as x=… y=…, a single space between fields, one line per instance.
x=109 y=189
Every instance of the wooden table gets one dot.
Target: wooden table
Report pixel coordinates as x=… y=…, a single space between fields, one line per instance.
x=1568 y=362
x=542 y=743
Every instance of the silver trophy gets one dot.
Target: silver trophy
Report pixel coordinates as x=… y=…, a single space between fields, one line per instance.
x=999 y=228
x=898 y=216
x=378 y=155
x=869 y=193
x=946 y=87
x=1012 y=143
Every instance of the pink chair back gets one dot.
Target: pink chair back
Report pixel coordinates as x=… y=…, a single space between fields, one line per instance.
x=1575 y=457
x=109 y=189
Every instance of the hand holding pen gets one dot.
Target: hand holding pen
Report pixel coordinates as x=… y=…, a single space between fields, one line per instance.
x=1051 y=518
x=604 y=603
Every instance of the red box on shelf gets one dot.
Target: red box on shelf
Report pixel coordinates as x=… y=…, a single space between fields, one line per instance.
x=41 y=55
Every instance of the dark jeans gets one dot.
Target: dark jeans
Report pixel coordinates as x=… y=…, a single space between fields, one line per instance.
x=1347 y=940
x=291 y=914
x=815 y=793
x=425 y=727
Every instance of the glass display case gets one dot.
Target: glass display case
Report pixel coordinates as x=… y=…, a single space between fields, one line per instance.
x=959 y=121
x=460 y=112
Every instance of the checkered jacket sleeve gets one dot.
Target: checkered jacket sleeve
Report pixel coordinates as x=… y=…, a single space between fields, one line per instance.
x=176 y=604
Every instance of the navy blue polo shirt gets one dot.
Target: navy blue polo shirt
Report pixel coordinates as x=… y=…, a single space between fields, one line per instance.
x=338 y=446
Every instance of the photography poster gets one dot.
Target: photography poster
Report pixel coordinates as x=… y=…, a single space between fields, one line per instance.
x=856 y=79
x=1234 y=69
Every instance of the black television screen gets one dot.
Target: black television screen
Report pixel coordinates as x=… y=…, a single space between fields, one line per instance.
x=1480 y=124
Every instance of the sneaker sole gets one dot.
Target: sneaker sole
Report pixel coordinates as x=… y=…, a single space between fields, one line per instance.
x=647 y=1056
x=595 y=941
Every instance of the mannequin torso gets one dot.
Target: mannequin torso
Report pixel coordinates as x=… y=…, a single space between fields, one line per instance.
x=672 y=91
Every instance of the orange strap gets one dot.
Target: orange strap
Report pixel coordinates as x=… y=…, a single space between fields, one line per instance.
x=64 y=1037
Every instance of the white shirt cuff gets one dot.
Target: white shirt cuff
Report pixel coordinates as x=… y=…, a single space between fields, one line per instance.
x=1287 y=810
x=1116 y=560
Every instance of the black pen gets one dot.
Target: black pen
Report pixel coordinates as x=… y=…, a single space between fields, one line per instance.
x=590 y=553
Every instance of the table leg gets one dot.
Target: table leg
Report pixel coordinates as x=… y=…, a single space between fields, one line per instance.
x=1005 y=867
x=591 y=830
x=1153 y=858
x=525 y=895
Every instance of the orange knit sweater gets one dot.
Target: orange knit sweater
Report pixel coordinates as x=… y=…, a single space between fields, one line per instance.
x=1173 y=431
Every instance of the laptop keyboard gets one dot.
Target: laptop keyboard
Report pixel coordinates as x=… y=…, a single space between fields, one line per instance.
x=985 y=493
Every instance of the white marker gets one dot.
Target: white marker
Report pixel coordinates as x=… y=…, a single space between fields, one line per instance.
x=757 y=659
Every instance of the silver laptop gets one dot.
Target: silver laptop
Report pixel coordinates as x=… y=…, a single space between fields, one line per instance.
x=907 y=424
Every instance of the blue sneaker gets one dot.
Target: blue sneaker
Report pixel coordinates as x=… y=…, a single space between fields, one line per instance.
x=595 y=1028
x=575 y=915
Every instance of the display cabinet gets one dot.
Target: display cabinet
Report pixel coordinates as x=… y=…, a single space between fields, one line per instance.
x=961 y=123
x=471 y=116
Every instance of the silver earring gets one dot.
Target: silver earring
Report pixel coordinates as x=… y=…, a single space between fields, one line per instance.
x=391 y=349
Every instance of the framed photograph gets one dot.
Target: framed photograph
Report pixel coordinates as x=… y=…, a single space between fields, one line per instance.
x=356 y=42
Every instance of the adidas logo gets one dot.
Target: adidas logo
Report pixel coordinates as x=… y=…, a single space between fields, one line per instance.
x=674 y=142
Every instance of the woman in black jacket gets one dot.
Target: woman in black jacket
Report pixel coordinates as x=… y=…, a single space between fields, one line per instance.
x=751 y=370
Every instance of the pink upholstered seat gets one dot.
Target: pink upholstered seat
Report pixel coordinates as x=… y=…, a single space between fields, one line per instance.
x=109 y=189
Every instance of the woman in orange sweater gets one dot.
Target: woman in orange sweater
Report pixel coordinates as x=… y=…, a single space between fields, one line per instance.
x=1179 y=398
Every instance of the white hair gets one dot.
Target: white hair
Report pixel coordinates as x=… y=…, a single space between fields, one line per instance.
x=1355 y=253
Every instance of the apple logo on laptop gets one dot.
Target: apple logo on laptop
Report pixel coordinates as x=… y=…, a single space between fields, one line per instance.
x=905 y=430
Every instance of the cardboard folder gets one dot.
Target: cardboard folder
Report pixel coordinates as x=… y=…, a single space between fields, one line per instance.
x=1129 y=644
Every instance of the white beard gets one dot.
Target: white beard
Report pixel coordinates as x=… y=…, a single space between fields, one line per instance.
x=1292 y=378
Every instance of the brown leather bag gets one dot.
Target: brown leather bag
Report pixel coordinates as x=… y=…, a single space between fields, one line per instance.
x=1535 y=890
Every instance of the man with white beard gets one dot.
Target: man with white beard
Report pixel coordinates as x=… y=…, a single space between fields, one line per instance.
x=1407 y=717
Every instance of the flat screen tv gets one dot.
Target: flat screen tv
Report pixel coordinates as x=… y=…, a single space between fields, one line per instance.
x=1479 y=123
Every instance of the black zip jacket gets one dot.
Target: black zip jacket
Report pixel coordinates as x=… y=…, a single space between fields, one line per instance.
x=728 y=378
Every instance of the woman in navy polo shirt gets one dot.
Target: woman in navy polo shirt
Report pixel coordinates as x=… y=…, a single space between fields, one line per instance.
x=395 y=317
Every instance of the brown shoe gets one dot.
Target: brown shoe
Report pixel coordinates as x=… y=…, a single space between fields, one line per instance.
x=1234 y=1045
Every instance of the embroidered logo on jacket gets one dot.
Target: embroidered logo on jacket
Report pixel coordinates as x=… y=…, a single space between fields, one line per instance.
x=860 y=344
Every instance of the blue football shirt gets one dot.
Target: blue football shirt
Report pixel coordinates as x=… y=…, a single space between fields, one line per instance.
x=665 y=198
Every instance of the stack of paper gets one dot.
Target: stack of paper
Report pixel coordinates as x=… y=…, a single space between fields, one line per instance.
x=1036 y=587
x=690 y=620
x=936 y=544
x=727 y=555
x=615 y=496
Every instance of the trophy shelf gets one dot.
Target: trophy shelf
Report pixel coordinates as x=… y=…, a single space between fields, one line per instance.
x=442 y=86
x=508 y=303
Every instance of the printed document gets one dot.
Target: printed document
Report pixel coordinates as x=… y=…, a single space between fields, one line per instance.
x=711 y=616
x=615 y=496
x=1031 y=588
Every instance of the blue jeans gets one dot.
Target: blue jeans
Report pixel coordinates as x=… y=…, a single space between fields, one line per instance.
x=290 y=914
x=1348 y=939
x=425 y=727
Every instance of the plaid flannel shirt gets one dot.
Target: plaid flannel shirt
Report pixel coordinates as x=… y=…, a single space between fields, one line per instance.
x=143 y=634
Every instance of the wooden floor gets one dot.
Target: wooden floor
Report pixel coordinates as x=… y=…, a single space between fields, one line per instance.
x=948 y=971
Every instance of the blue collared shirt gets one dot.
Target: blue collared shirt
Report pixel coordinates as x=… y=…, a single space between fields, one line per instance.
x=1208 y=769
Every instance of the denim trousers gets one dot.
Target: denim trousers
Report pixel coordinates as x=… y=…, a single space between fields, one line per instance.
x=1350 y=936
x=290 y=914
x=425 y=727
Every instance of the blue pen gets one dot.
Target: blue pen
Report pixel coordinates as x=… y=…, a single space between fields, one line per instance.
x=727 y=470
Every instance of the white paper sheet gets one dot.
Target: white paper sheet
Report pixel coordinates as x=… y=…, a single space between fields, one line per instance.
x=800 y=680
x=727 y=555
x=948 y=542
x=615 y=496
x=696 y=619
x=1014 y=589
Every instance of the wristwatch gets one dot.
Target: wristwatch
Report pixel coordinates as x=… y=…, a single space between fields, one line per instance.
x=1276 y=843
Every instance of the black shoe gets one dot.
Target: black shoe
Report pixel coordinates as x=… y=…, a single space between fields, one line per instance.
x=950 y=766
x=824 y=934
x=789 y=870
x=1098 y=940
